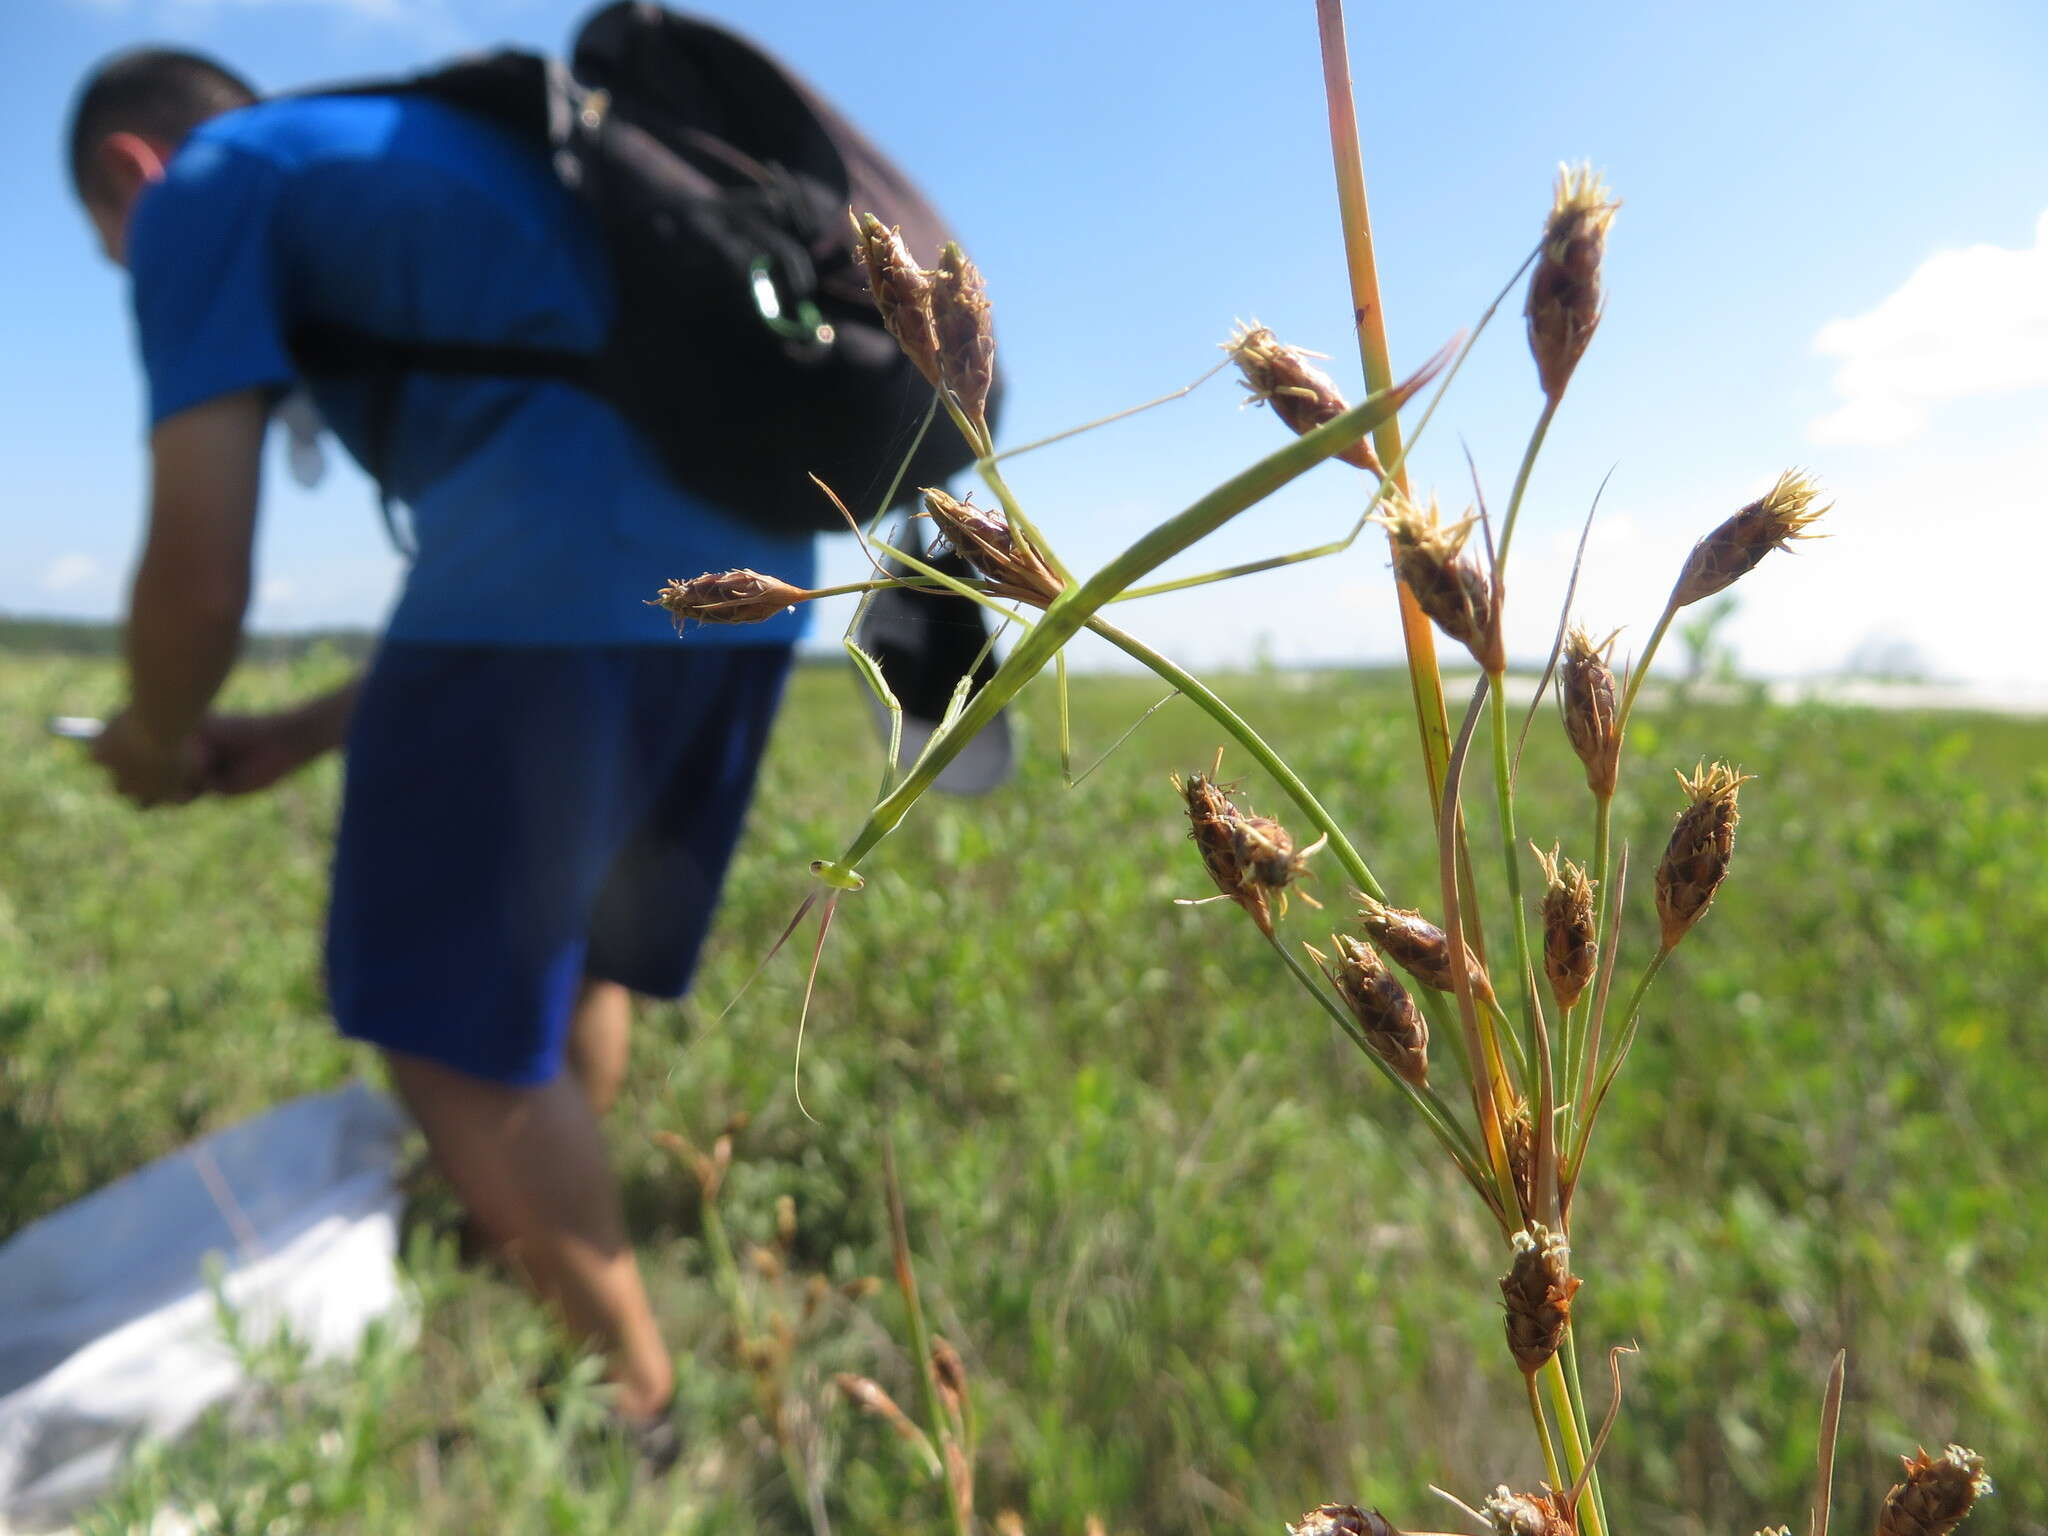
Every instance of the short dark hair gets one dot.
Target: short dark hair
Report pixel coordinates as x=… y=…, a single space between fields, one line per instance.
x=160 y=93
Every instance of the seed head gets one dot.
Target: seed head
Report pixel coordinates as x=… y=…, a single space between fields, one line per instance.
x=869 y=1395
x=1732 y=550
x=1418 y=946
x=985 y=540
x=1538 y=1289
x=902 y=291
x=1585 y=691
x=727 y=597
x=1451 y=588
x=1564 y=303
x=1529 y=1514
x=949 y=1373
x=1570 y=950
x=1252 y=859
x=1936 y=1495
x=967 y=339
x=1702 y=842
x=1301 y=394
x=1519 y=1132
x=1387 y=1016
x=1343 y=1520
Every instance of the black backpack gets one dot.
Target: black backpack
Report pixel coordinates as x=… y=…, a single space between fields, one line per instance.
x=745 y=346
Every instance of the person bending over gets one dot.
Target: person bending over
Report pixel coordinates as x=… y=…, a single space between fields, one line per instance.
x=543 y=786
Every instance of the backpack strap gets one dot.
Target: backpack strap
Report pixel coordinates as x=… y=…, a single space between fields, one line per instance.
x=320 y=350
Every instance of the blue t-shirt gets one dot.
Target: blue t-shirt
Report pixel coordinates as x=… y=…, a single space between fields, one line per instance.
x=539 y=515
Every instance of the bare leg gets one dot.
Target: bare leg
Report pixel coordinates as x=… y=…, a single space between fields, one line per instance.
x=599 y=1032
x=530 y=1166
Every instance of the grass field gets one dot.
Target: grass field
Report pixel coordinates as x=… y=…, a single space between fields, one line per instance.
x=1202 y=1276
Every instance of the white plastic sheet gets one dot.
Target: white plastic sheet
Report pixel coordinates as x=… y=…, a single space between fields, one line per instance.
x=108 y=1332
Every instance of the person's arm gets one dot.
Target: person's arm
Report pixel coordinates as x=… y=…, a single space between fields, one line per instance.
x=190 y=595
x=244 y=753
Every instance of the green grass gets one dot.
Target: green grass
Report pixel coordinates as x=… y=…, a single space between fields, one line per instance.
x=1203 y=1275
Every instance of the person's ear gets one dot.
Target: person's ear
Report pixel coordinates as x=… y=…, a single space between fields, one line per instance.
x=127 y=163
x=124 y=165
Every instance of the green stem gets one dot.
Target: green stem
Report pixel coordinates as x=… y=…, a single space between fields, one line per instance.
x=1076 y=605
x=920 y=1339
x=1640 y=671
x=1504 y=790
x=1543 y=1433
x=1428 y=1103
x=1240 y=730
x=1631 y=1017
x=1575 y=1444
x=1507 y=526
x=1015 y=513
x=1578 y=1392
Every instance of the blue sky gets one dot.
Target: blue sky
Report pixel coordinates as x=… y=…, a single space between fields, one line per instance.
x=1833 y=252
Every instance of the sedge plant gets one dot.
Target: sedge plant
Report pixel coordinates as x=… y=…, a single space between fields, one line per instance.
x=1508 y=1052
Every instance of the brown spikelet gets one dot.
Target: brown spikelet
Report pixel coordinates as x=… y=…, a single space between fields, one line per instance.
x=966 y=335
x=1564 y=302
x=1343 y=1520
x=1300 y=393
x=949 y=1371
x=1547 y=1513
x=1252 y=859
x=1519 y=1132
x=1387 y=1016
x=1732 y=550
x=1417 y=945
x=902 y=291
x=1570 y=950
x=1585 y=691
x=1702 y=842
x=727 y=597
x=1448 y=585
x=785 y=1220
x=1937 y=1493
x=870 y=1396
x=1538 y=1289
x=985 y=540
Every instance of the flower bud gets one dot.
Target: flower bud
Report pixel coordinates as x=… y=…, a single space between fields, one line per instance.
x=1387 y=1016
x=1570 y=950
x=984 y=538
x=1301 y=394
x=966 y=337
x=1937 y=1493
x=1732 y=550
x=1452 y=589
x=902 y=291
x=1564 y=302
x=1252 y=859
x=1418 y=946
x=727 y=597
x=1538 y=1290
x=1343 y=1520
x=1702 y=842
x=1529 y=1514
x=1585 y=691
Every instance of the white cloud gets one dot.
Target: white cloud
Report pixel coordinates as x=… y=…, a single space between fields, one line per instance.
x=1967 y=323
x=67 y=572
x=277 y=591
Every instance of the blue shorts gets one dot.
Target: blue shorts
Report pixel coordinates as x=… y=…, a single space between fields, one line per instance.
x=516 y=819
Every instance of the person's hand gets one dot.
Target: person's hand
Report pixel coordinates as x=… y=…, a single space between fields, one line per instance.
x=146 y=770
x=245 y=753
